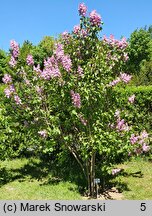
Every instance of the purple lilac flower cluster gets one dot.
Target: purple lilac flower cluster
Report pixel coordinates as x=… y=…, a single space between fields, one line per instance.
x=111 y=41
x=62 y=58
x=141 y=141
x=95 y=18
x=123 y=77
x=80 y=71
x=17 y=100
x=82 y=9
x=50 y=70
x=9 y=91
x=43 y=133
x=51 y=64
x=120 y=125
x=15 y=48
x=83 y=120
x=15 y=53
x=12 y=62
x=131 y=99
x=80 y=32
x=7 y=79
x=30 y=60
x=66 y=37
x=115 y=171
x=76 y=100
x=76 y=29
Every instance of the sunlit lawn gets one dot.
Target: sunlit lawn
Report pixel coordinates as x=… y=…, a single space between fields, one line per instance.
x=137 y=180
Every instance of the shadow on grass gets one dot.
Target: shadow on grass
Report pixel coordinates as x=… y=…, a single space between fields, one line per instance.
x=138 y=174
x=46 y=172
x=52 y=173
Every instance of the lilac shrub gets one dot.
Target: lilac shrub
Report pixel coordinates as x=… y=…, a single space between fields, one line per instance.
x=72 y=100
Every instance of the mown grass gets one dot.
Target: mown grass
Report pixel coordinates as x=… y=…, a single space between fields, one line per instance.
x=31 y=179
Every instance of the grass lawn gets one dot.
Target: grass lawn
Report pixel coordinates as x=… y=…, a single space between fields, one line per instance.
x=136 y=180
x=30 y=179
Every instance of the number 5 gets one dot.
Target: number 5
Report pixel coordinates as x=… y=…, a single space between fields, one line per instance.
x=143 y=207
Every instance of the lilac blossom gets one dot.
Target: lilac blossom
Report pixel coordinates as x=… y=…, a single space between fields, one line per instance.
x=51 y=69
x=117 y=114
x=114 y=82
x=27 y=82
x=43 y=133
x=125 y=77
x=134 y=139
x=12 y=62
x=84 y=32
x=12 y=88
x=48 y=73
x=82 y=9
x=38 y=89
x=126 y=57
x=115 y=171
x=55 y=72
x=7 y=92
x=76 y=29
x=17 y=100
x=15 y=48
x=121 y=44
x=37 y=69
x=66 y=63
x=76 y=100
x=145 y=148
x=7 y=79
x=144 y=134
x=95 y=18
x=59 y=52
x=121 y=125
x=66 y=36
x=80 y=71
x=62 y=58
x=131 y=99
x=83 y=121
x=30 y=60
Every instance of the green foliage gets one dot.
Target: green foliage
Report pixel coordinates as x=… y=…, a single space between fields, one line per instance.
x=43 y=50
x=144 y=76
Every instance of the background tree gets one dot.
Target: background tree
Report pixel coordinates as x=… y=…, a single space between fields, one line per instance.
x=43 y=50
x=140 y=48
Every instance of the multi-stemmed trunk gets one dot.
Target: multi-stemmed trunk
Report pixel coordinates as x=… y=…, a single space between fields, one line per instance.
x=90 y=167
